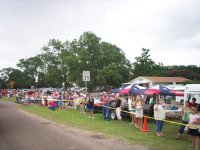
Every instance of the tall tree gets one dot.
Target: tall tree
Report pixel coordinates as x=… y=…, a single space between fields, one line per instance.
x=59 y=60
x=144 y=65
x=31 y=66
x=21 y=79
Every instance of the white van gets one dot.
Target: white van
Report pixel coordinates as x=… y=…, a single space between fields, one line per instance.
x=181 y=88
x=192 y=90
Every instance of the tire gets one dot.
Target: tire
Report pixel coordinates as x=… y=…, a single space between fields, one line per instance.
x=182 y=102
x=113 y=115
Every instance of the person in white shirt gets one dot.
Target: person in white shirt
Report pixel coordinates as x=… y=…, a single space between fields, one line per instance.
x=139 y=111
x=159 y=115
x=130 y=107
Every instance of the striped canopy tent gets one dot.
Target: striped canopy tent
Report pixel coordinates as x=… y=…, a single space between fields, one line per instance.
x=160 y=90
x=133 y=89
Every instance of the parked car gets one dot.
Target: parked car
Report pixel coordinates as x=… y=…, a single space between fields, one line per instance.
x=148 y=109
x=97 y=104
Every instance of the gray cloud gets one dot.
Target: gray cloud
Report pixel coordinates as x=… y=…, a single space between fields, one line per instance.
x=169 y=28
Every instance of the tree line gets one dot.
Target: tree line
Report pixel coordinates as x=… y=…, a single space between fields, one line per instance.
x=62 y=63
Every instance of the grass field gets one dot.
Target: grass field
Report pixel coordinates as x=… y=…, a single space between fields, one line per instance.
x=72 y=118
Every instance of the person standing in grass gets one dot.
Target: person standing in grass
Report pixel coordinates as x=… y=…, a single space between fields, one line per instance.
x=159 y=115
x=90 y=107
x=185 y=118
x=193 y=130
x=82 y=106
x=133 y=111
x=0 y=95
x=139 y=111
x=118 y=107
x=106 y=103
x=130 y=107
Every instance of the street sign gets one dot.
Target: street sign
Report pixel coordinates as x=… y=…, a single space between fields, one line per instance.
x=12 y=84
x=86 y=75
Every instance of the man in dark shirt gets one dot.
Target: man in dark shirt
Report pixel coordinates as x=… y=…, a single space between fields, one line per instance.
x=193 y=103
x=118 y=107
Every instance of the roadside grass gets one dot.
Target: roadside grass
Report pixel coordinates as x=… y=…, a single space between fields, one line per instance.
x=8 y=99
x=72 y=118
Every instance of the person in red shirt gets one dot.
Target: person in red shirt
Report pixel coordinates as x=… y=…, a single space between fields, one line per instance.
x=193 y=103
x=52 y=105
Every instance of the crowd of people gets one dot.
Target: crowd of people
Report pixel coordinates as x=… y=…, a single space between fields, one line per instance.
x=190 y=118
x=85 y=103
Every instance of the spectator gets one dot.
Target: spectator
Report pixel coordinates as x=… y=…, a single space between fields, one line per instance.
x=90 y=107
x=52 y=105
x=139 y=111
x=118 y=108
x=59 y=99
x=0 y=94
x=32 y=99
x=106 y=103
x=193 y=103
x=75 y=98
x=82 y=106
x=159 y=115
x=133 y=111
x=8 y=95
x=185 y=118
x=130 y=106
x=193 y=131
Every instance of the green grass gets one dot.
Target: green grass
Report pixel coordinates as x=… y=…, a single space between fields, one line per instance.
x=8 y=99
x=72 y=118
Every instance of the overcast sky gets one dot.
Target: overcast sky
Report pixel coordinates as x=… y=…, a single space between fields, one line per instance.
x=169 y=28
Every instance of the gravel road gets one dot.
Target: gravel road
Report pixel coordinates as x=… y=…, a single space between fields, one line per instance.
x=20 y=130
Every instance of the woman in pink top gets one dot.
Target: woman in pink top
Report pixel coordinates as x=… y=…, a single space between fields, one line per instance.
x=106 y=103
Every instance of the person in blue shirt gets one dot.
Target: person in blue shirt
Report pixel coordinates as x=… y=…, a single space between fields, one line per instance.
x=90 y=107
x=0 y=94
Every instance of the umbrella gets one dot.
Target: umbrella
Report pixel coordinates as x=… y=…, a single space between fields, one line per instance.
x=116 y=90
x=178 y=92
x=159 y=90
x=137 y=89
x=133 y=89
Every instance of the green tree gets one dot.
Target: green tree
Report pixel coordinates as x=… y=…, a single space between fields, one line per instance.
x=21 y=79
x=95 y=56
x=110 y=76
x=59 y=61
x=144 y=65
x=89 y=52
x=32 y=67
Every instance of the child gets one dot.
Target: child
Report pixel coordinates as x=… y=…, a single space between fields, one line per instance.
x=139 y=111
x=159 y=115
x=193 y=130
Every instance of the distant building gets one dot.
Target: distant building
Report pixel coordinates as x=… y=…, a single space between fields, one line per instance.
x=149 y=81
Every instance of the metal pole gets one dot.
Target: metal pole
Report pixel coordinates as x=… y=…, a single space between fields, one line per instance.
x=86 y=85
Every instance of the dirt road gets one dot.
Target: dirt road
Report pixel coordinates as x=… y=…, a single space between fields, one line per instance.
x=23 y=131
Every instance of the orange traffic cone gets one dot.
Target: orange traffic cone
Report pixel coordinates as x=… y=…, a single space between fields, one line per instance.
x=145 y=129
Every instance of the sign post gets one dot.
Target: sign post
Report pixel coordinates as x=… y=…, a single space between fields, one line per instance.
x=86 y=77
x=12 y=84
